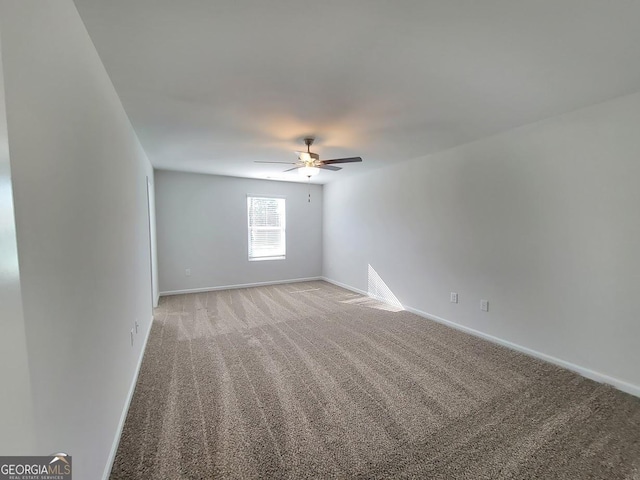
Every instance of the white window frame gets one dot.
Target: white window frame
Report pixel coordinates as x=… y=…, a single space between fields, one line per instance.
x=283 y=228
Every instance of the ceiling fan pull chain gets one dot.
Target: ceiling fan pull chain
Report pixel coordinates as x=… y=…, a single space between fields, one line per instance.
x=309 y=188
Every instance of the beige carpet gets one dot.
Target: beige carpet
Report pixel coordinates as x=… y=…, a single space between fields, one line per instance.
x=309 y=380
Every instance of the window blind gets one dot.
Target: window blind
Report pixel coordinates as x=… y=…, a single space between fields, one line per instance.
x=267 y=222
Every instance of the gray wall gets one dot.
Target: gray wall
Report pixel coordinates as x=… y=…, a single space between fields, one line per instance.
x=202 y=226
x=79 y=182
x=542 y=221
x=16 y=409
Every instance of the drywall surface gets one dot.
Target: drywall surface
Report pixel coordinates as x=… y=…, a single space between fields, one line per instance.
x=16 y=412
x=541 y=221
x=202 y=226
x=79 y=182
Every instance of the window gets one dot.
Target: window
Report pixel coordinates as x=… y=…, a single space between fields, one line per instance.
x=267 y=222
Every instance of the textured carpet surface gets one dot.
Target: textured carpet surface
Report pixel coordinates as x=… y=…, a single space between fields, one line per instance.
x=309 y=380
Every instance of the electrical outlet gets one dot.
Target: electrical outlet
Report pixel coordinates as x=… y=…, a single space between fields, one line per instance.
x=484 y=305
x=132 y=337
x=187 y=272
x=454 y=297
x=137 y=325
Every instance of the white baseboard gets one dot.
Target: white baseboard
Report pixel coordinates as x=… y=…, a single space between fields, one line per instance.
x=345 y=286
x=242 y=285
x=585 y=372
x=123 y=416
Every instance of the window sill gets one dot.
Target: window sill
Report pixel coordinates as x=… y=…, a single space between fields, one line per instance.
x=260 y=259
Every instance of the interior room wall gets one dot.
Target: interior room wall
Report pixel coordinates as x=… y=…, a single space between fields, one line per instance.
x=16 y=409
x=79 y=182
x=541 y=221
x=202 y=226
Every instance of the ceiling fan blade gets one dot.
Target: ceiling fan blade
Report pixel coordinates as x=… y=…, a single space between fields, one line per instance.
x=291 y=169
x=341 y=160
x=329 y=167
x=287 y=163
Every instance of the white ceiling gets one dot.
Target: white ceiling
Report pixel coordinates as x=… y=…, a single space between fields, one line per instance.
x=211 y=86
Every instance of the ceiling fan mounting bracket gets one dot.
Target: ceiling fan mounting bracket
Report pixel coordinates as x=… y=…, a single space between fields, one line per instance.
x=308 y=142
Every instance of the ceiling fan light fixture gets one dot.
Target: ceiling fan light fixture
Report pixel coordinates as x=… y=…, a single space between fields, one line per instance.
x=305 y=156
x=308 y=171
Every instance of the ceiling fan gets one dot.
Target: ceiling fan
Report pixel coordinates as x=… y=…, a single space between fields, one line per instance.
x=309 y=163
